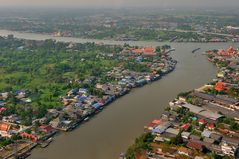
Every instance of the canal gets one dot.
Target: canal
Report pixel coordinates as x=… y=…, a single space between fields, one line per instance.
x=115 y=128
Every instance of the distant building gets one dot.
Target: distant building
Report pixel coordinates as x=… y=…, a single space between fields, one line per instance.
x=148 y=51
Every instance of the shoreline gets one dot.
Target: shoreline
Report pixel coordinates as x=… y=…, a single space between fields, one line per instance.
x=94 y=114
x=177 y=129
x=118 y=108
x=104 y=41
x=76 y=123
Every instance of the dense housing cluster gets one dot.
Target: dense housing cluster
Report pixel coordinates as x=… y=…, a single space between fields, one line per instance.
x=129 y=25
x=203 y=123
x=62 y=85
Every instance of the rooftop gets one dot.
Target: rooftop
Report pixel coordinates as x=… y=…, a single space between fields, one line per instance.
x=172 y=131
x=193 y=108
x=210 y=115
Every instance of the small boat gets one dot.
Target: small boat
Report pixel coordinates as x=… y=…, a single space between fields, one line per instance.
x=122 y=156
x=195 y=50
x=46 y=143
x=173 y=39
x=87 y=118
x=169 y=50
x=172 y=49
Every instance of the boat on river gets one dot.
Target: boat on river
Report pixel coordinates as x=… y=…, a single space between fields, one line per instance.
x=169 y=50
x=44 y=144
x=87 y=119
x=196 y=50
x=122 y=156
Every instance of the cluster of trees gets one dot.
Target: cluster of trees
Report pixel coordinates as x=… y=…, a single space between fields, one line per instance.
x=215 y=92
x=136 y=67
x=5 y=141
x=193 y=100
x=140 y=146
x=217 y=156
x=229 y=121
x=48 y=69
x=45 y=69
x=234 y=92
x=184 y=94
x=223 y=63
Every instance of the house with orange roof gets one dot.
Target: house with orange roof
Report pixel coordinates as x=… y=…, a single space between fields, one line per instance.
x=220 y=86
x=5 y=129
x=230 y=51
x=149 y=51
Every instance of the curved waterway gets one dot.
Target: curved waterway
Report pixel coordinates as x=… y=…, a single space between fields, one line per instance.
x=115 y=128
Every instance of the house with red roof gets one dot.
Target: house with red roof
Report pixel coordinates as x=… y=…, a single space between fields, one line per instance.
x=202 y=121
x=185 y=126
x=46 y=129
x=222 y=52
x=2 y=109
x=211 y=53
x=151 y=126
x=156 y=121
x=29 y=136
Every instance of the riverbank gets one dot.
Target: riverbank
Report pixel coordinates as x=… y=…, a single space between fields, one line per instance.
x=135 y=67
x=36 y=36
x=79 y=100
x=199 y=123
x=125 y=114
x=176 y=35
x=119 y=115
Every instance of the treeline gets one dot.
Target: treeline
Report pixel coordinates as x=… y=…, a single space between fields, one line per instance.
x=47 y=70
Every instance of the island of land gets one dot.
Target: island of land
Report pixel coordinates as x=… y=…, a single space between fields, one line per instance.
x=48 y=86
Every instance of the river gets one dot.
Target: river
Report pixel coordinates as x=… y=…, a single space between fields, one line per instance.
x=115 y=128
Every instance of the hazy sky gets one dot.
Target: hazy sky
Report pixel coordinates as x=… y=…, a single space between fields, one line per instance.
x=121 y=3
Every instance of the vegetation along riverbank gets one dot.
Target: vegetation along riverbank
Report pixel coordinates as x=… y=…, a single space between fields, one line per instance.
x=48 y=86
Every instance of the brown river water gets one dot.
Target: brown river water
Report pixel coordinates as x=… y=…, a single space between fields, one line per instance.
x=110 y=132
